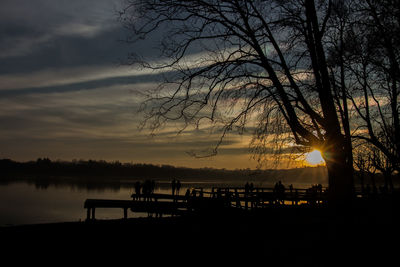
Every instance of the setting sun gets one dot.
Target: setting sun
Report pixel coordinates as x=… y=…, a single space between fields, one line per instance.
x=314 y=157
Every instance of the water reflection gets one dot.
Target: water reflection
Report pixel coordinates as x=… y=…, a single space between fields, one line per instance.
x=26 y=203
x=44 y=201
x=161 y=186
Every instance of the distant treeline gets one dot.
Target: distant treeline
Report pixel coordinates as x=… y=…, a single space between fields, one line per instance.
x=117 y=171
x=105 y=170
x=92 y=174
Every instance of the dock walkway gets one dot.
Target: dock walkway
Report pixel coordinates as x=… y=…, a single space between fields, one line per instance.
x=158 y=204
x=201 y=200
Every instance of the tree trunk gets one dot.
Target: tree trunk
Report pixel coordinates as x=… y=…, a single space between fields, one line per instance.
x=340 y=175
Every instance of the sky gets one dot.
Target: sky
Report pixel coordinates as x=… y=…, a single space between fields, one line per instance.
x=64 y=93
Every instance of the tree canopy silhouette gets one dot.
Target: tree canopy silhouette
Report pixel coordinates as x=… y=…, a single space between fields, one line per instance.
x=371 y=54
x=282 y=63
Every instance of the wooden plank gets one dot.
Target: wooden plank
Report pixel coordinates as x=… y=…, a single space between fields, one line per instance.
x=111 y=203
x=158 y=207
x=160 y=196
x=107 y=203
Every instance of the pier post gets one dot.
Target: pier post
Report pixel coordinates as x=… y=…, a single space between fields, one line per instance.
x=88 y=214
x=93 y=213
x=125 y=213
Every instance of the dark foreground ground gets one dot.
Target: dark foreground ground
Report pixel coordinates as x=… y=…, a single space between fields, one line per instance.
x=303 y=236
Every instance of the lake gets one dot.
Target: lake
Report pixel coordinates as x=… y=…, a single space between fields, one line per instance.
x=23 y=203
x=29 y=203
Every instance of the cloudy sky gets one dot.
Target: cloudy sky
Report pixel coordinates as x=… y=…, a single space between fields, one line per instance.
x=65 y=95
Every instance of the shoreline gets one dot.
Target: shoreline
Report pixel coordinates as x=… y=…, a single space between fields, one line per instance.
x=301 y=239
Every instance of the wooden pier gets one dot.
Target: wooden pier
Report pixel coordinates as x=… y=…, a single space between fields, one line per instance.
x=200 y=200
x=159 y=204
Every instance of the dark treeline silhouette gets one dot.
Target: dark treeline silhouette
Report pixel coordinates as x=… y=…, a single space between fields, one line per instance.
x=44 y=169
x=92 y=173
x=102 y=169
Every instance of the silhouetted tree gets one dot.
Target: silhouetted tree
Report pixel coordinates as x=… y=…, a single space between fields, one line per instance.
x=363 y=160
x=370 y=60
x=385 y=166
x=248 y=58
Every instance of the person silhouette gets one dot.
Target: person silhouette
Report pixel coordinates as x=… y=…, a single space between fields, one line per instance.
x=173 y=186
x=187 y=194
x=178 y=187
x=146 y=190
x=246 y=195
x=246 y=189
x=280 y=192
x=153 y=186
x=276 y=193
x=137 y=190
x=291 y=193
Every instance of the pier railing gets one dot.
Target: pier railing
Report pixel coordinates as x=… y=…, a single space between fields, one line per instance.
x=200 y=200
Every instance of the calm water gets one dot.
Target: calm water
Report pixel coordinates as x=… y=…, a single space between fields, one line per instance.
x=23 y=203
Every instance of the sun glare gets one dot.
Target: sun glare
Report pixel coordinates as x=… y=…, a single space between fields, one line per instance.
x=314 y=157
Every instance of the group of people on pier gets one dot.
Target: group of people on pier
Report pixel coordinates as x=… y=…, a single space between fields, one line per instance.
x=279 y=191
x=176 y=187
x=145 y=190
x=278 y=195
x=249 y=193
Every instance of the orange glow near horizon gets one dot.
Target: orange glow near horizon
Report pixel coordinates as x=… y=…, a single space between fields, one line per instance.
x=314 y=158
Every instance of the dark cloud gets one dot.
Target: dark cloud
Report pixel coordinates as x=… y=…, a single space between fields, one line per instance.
x=86 y=85
x=59 y=52
x=53 y=103
x=41 y=34
x=49 y=14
